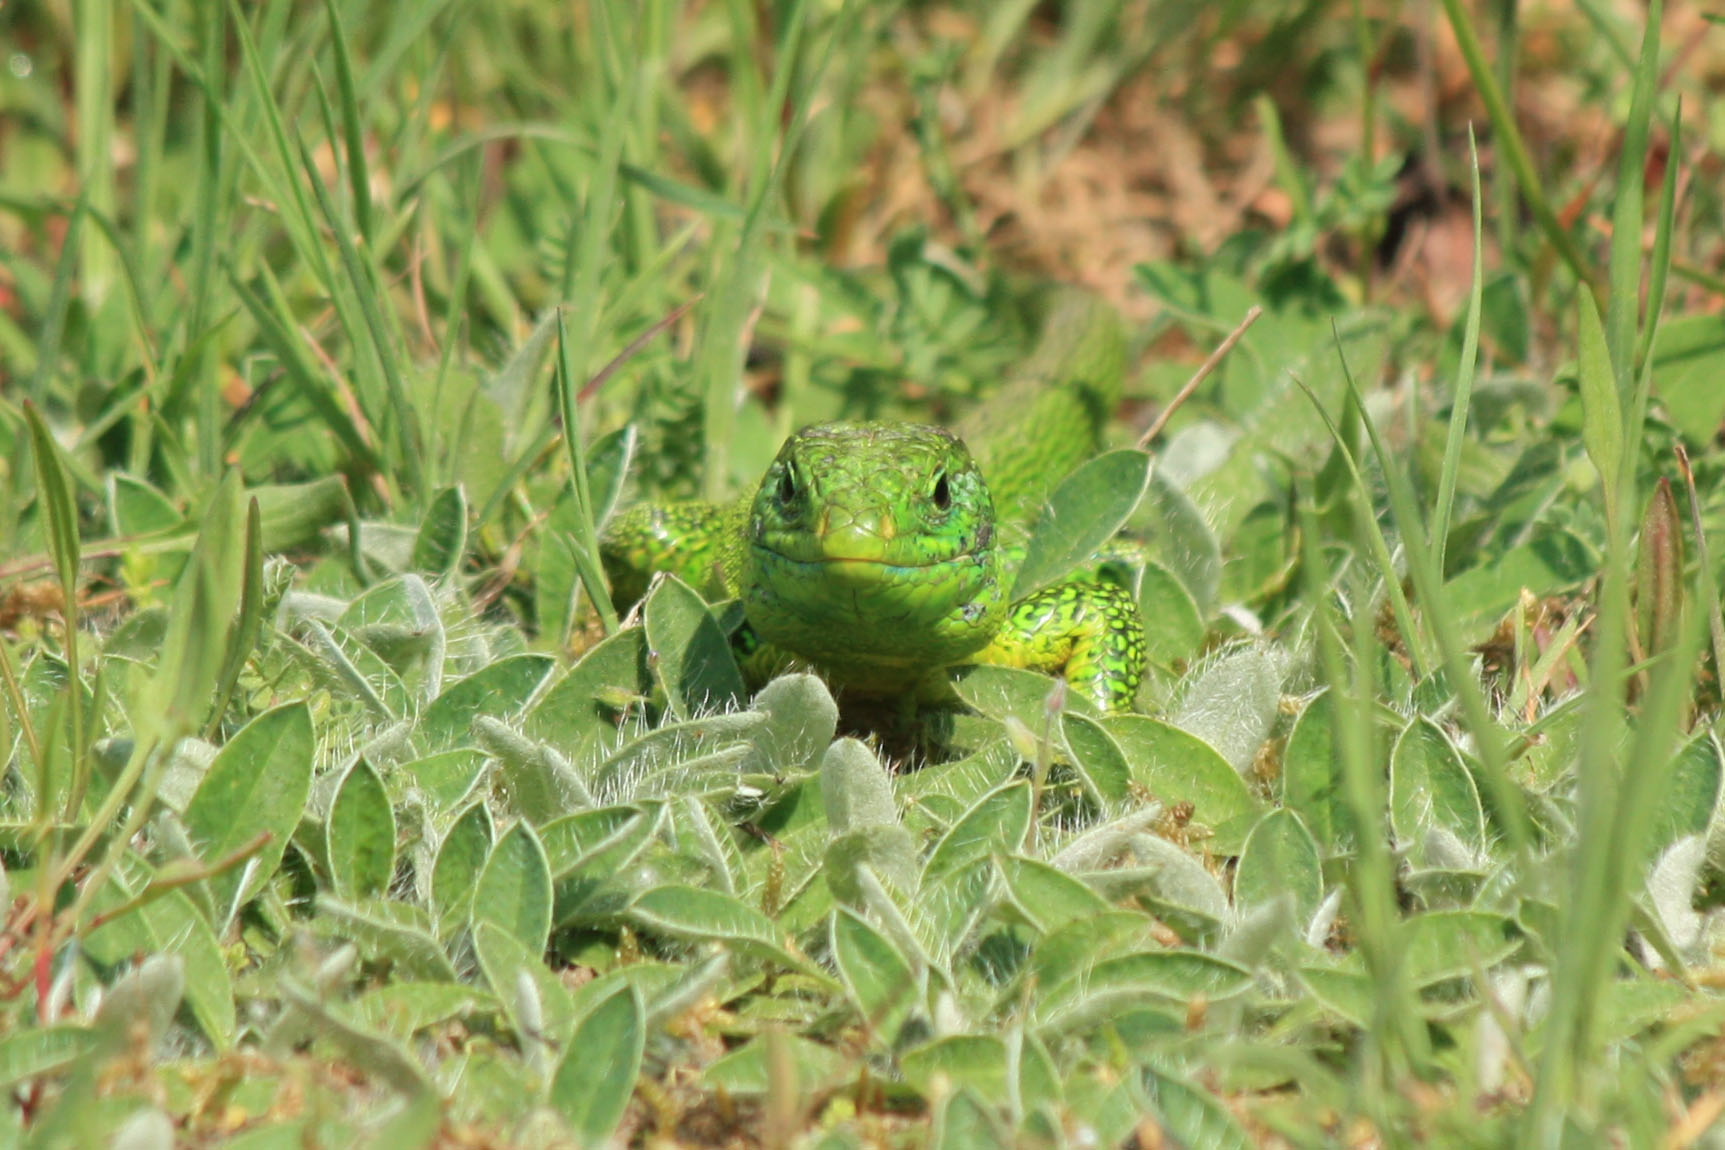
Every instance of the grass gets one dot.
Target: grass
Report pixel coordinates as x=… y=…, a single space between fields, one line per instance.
x=340 y=804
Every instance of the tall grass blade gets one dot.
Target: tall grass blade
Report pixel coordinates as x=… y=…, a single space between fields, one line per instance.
x=54 y=495
x=1601 y=408
x=1427 y=579
x=1395 y=1034
x=353 y=133
x=1628 y=210
x=1465 y=374
x=1508 y=140
x=586 y=543
x=95 y=105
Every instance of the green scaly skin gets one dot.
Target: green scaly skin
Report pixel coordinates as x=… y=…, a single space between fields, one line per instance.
x=882 y=554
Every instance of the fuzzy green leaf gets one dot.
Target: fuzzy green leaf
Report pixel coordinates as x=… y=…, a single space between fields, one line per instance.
x=596 y=1077
x=257 y=785
x=1176 y=766
x=361 y=834
x=1084 y=512
x=460 y=860
x=514 y=889
x=692 y=659
x=1280 y=858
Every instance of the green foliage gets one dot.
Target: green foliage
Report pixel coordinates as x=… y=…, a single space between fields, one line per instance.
x=335 y=333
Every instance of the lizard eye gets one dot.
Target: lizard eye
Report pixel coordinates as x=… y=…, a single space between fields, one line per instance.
x=942 y=493
x=787 y=487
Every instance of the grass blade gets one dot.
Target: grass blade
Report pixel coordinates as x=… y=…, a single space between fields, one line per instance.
x=1509 y=141
x=1628 y=210
x=1464 y=375
x=358 y=175
x=586 y=544
x=54 y=492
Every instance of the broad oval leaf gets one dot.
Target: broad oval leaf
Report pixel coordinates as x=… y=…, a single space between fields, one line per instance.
x=882 y=983
x=1431 y=788
x=505 y=963
x=257 y=785
x=705 y=915
x=596 y=1078
x=964 y=1122
x=801 y=721
x=1690 y=795
x=1176 y=766
x=1280 y=858
x=402 y=1009
x=951 y=913
x=1098 y=759
x=1179 y=974
x=1312 y=782
x=1440 y=945
x=572 y=841
x=1177 y=886
x=1551 y=559
x=514 y=889
x=1232 y=703
x=138 y=507
x=361 y=670
x=36 y=1051
x=855 y=789
x=578 y=712
x=398 y=933
x=1173 y=976
x=1687 y=359
x=399 y=621
x=592 y=854
x=460 y=860
x=442 y=538
x=1002 y=692
x=1192 y=1116
x=671 y=747
x=1183 y=539
x=1672 y=884
x=445 y=779
x=1068 y=951
x=172 y=925
x=1351 y=994
x=759 y=1066
x=996 y=822
x=889 y=852
x=1047 y=897
x=1173 y=627
x=1084 y=512
x=688 y=651
x=291 y=515
x=531 y=779
x=978 y=1061
x=499 y=691
x=361 y=834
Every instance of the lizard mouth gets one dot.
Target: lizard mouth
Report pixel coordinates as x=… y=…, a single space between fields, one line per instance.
x=867 y=562
x=854 y=612
x=912 y=577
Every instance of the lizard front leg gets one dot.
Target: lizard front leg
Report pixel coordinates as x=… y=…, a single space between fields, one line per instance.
x=1090 y=633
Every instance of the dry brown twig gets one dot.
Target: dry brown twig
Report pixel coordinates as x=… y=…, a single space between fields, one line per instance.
x=1199 y=376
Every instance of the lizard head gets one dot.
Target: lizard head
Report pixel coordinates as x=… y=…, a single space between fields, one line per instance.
x=871 y=551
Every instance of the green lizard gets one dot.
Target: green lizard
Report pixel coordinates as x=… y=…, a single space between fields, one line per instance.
x=882 y=554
